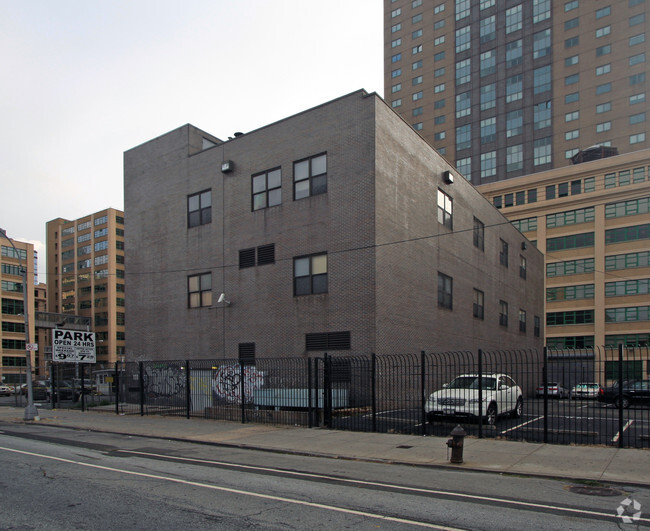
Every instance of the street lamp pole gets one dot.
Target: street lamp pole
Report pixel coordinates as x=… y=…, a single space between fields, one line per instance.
x=31 y=413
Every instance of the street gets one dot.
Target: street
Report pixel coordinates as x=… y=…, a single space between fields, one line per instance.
x=56 y=478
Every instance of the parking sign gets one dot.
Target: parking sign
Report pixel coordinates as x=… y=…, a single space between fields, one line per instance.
x=73 y=347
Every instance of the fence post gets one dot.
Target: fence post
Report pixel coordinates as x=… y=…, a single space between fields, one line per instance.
x=480 y=393
x=423 y=415
x=327 y=391
x=310 y=409
x=620 y=395
x=188 y=390
x=116 y=380
x=83 y=388
x=242 y=393
x=545 y=384
x=141 y=377
x=317 y=392
x=373 y=389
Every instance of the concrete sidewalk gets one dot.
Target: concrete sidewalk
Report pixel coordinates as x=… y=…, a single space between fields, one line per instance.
x=603 y=464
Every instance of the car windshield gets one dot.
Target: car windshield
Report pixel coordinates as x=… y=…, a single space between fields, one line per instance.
x=471 y=382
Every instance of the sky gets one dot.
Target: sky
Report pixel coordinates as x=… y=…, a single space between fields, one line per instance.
x=86 y=80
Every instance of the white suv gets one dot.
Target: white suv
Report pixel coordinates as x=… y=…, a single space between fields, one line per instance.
x=459 y=398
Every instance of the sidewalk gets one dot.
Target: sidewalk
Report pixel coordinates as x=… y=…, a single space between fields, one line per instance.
x=604 y=464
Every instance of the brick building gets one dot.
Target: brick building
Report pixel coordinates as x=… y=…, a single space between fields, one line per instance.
x=336 y=229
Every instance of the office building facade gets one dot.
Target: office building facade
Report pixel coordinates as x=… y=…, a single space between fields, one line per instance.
x=592 y=221
x=510 y=88
x=335 y=230
x=86 y=270
x=14 y=347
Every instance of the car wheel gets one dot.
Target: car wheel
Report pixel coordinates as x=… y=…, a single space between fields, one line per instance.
x=624 y=402
x=519 y=408
x=491 y=416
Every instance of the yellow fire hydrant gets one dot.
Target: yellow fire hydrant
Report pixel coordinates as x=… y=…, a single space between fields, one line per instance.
x=456 y=444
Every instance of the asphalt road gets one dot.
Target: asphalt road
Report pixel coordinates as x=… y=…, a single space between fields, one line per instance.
x=55 y=478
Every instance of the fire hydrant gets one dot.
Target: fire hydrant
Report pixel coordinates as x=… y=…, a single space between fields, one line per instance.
x=456 y=444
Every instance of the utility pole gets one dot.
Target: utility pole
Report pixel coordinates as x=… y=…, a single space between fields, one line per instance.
x=31 y=413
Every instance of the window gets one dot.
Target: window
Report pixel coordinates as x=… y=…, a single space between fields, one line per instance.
x=479 y=234
x=526 y=224
x=514 y=123
x=416 y=65
x=625 y=234
x=416 y=34
x=573 y=41
x=199 y=290
x=445 y=209
x=478 y=305
x=267 y=189
x=416 y=80
x=396 y=27
x=571 y=80
x=462 y=9
x=463 y=137
x=570 y=293
x=571 y=24
x=417 y=111
x=199 y=209
x=574 y=317
x=637 y=79
x=310 y=177
x=445 y=291
x=464 y=167
x=488 y=63
x=522 y=321
x=637 y=59
x=515 y=157
x=603 y=127
x=627 y=261
x=542 y=151
x=542 y=115
x=396 y=73
x=542 y=43
x=570 y=217
x=570 y=267
x=488 y=164
x=602 y=32
x=604 y=12
x=395 y=58
x=513 y=19
x=572 y=97
x=604 y=107
x=603 y=69
x=488 y=96
x=310 y=275
x=503 y=253
x=416 y=49
x=463 y=71
x=396 y=88
x=637 y=118
x=395 y=43
x=637 y=138
x=488 y=130
x=522 y=266
x=503 y=313
x=572 y=60
x=463 y=39
x=487 y=29
x=637 y=39
x=603 y=89
x=463 y=104
x=514 y=88
x=573 y=241
x=396 y=12
x=627 y=287
x=572 y=135
x=514 y=53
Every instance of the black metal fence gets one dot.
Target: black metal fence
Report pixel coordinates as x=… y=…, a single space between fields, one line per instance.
x=588 y=396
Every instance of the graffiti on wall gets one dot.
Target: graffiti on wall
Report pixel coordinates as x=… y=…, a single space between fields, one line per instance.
x=164 y=381
x=226 y=382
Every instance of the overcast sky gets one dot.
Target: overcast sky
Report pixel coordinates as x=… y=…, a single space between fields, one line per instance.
x=86 y=80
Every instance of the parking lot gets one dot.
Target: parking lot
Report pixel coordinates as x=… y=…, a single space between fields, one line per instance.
x=567 y=422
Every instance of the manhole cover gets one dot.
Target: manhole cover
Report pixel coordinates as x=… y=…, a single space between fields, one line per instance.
x=595 y=491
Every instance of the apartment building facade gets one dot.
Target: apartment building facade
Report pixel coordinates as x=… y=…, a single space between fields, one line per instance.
x=510 y=88
x=14 y=347
x=592 y=221
x=338 y=230
x=86 y=271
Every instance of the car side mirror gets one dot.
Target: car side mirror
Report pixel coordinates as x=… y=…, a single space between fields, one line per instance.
x=445 y=386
